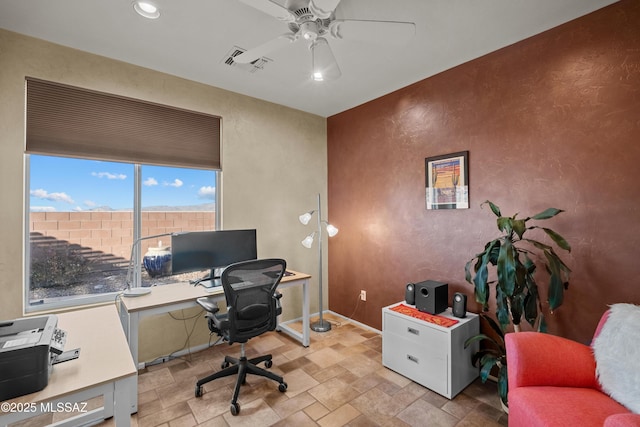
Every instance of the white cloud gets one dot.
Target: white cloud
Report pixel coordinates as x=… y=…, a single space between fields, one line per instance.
x=90 y=203
x=176 y=183
x=43 y=209
x=109 y=175
x=150 y=182
x=54 y=197
x=208 y=192
x=78 y=209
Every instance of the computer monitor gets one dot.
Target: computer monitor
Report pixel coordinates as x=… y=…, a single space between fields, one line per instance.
x=211 y=250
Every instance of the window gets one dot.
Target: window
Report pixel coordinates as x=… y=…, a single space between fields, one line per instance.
x=81 y=220
x=103 y=172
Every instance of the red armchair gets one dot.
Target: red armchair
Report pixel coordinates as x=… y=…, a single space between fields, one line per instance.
x=552 y=382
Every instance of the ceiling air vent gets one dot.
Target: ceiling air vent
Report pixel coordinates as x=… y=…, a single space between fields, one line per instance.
x=251 y=67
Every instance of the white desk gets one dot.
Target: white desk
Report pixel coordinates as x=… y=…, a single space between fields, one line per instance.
x=177 y=296
x=104 y=368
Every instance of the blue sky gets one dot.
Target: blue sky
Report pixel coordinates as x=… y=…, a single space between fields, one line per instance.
x=64 y=184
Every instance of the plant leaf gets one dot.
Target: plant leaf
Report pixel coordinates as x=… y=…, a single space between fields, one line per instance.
x=494 y=325
x=504 y=224
x=503 y=384
x=519 y=226
x=480 y=284
x=481 y=288
x=494 y=208
x=531 y=307
x=481 y=337
x=477 y=357
x=560 y=241
x=547 y=213
x=537 y=244
x=502 y=309
x=467 y=271
x=542 y=326
x=556 y=286
x=494 y=252
x=487 y=363
x=506 y=268
x=517 y=302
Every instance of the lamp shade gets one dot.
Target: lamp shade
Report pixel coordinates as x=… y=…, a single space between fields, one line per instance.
x=331 y=230
x=305 y=218
x=308 y=241
x=323 y=63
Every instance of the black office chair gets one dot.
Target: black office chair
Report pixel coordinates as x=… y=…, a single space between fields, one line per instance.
x=253 y=304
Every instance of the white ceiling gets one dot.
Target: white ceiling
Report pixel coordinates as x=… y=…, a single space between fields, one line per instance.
x=192 y=37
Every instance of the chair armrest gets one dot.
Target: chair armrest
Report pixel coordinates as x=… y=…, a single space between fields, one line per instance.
x=208 y=304
x=538 y=359
x=622 y=420
x=277 y=295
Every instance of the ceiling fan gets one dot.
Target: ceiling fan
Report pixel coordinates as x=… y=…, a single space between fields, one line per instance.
x=315 y=21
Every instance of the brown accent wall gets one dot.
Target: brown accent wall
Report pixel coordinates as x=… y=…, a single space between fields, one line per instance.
x=551 y=121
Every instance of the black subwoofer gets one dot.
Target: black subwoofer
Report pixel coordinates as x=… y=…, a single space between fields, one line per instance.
x=432 y=296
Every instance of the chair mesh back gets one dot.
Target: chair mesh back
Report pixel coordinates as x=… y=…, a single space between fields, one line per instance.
x=249 y=289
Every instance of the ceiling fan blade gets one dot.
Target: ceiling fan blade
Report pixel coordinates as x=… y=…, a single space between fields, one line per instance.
x=323 y=8
x=264 y=49
x=271 y=8
x=385 y=32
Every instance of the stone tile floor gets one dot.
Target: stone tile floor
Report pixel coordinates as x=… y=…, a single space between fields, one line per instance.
x=338 y=380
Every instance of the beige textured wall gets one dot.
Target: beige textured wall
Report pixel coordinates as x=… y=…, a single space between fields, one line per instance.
x=274 y=164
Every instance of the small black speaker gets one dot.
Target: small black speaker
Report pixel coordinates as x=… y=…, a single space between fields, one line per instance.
x=432 y=297
x=410 y=294
x=459 y=306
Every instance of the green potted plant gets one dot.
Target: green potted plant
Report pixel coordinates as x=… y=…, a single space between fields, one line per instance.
x=514 y=257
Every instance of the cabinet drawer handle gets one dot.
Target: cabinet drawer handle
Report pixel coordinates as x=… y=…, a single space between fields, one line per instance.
x=413 y=331
x=412 y=358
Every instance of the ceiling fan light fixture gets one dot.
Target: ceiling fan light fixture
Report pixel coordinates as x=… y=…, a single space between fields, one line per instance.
x=323 y=63
x=309 y=30
x=146 y=9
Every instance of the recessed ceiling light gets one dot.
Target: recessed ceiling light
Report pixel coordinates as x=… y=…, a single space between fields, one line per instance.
x=146 y=9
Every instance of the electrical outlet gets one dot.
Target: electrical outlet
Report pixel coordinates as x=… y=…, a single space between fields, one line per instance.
x=363 y=295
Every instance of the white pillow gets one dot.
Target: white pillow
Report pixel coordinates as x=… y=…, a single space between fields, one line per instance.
x=617 y=354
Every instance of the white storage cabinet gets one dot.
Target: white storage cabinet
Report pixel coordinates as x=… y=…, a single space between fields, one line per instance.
x=429 y=354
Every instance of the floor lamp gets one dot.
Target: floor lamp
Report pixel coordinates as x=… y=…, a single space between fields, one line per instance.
x=321 y=325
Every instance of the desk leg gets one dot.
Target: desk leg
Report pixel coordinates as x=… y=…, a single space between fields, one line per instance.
x=134 y=324
x=305 y=314
x=124 y=394
x=304 y=336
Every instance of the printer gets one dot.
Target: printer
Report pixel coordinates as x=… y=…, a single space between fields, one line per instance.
x=28 y=348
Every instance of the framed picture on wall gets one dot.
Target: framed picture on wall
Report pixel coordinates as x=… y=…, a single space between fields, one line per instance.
x=447 y=181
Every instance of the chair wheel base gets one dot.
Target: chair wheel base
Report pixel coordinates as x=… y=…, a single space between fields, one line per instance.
x=282 y=387
x=235 y=409
x=198 y=391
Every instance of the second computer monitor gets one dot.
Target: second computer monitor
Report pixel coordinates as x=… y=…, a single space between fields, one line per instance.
x=209 y=250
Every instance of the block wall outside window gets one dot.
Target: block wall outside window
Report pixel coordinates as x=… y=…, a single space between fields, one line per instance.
x=112 y=232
